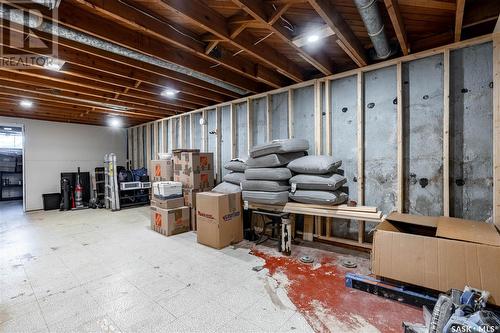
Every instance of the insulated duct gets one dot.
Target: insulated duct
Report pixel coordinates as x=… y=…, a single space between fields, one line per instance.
x=370 y=13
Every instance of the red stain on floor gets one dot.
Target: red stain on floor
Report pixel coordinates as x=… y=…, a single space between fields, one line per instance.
x=322 y=287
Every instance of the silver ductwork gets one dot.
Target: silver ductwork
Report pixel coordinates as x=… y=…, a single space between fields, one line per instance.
x=372 y=18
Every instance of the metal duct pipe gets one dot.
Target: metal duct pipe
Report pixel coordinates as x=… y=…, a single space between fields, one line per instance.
x=370 y=13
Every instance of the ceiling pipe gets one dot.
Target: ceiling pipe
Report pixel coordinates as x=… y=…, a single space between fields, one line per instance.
x=372 y=18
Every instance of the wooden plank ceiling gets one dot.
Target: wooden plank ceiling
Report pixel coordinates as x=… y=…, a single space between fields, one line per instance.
x=233 y=47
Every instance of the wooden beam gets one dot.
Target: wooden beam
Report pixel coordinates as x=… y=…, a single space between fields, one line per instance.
x=459 y=18
x=446 y=133
x=400 y=133
x=179 y=51
x=233 y=130
x=212 y=21
x=361 y=138
x=318 y=117
x=290 y=114
x=398 y=24
x=256 y=9
x=218 y=144
x=280 y=11
x=113 y=65
x=496 y=126
x=348 y=41
x=430 y=4
x=328 y=117
x=249 y=125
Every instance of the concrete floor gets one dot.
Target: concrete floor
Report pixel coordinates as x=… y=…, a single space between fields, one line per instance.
x=97 y=271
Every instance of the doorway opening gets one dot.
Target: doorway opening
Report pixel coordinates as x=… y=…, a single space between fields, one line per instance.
x=11 y=166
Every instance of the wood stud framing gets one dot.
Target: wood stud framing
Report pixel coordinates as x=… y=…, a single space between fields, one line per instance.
x=446 y=133
x=218 y=145
x=269 y=117
x=137 y=151
x=317 y=117
x=328 y=117
x=400 y=153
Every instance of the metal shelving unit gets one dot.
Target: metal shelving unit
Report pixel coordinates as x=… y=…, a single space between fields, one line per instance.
x=6 y=186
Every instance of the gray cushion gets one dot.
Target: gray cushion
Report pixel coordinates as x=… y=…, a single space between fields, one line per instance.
x=265 y=185
x=329 y=182
x=226 y=187
x=270 y=198
x=273 y=160
x=268 y=174
x=235 y=165
x=234 y=177
x=319 y=197
x=280 y=146
x=315 y=164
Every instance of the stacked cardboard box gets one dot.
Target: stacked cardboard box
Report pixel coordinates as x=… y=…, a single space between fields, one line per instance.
x=219 y=219
x=162 y=170
x=169 y=217
x=195 y=171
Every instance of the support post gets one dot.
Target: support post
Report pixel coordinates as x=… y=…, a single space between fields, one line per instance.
x=218 y=143
x=204 y=131
x=496 y=125
x=135 y=152
x=318 y=117
x=181 y=137
x=249 y=125
x=269 y=117
x=171 y=133
x=232 y=111
x=446 y=133
x=155 y=140
x=400 y=174
x=328 y=117
x=361 y=154
x=191 y=131
x=290 y=114
x=307 y=235
x=141 y=147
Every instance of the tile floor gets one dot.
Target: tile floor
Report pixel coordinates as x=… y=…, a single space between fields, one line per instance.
x=98 y=271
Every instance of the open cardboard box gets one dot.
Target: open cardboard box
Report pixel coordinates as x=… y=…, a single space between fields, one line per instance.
x=439 y=253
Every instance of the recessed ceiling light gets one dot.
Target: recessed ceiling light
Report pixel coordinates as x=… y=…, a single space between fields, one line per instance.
x=169 y=92
x=115 y=122
x=312 y=38
x=53 y=64
x=26 y=103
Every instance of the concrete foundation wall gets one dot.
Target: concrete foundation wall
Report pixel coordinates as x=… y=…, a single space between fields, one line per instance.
x=279 y=119
x=471 y=104
x=423 y=109
x=423 y=136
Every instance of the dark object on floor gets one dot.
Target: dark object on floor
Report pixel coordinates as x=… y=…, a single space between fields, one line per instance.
x=307 y=259
x=65 y=194
x=257 y=268
x=349 y=264
x=84 y=181
x=404 y=294
x=51 y=201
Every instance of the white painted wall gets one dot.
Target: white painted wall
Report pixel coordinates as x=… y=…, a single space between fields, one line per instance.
x=51 y=148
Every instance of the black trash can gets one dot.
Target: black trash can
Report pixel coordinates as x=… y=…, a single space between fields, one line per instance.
x=51 y=201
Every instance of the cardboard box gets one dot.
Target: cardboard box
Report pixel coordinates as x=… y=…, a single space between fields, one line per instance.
x=167 y=204
x=219 y=219
x=162 y=170
x=190 y=200
x=194 y=169
x=439 y=253
x=170 y=222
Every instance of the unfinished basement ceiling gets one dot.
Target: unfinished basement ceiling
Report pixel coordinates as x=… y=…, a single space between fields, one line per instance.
x=143 y=60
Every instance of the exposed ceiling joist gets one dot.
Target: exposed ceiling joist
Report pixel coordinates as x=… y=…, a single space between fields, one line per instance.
x=430 y=4
x=398 y=24
x=190 y=52
x=347 y=40
x=459 y=18
x=210 y=20
x=256 y=8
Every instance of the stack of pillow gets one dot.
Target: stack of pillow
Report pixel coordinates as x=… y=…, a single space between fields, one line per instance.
x=266 y=174
x=317 y=181
x=232 y=181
